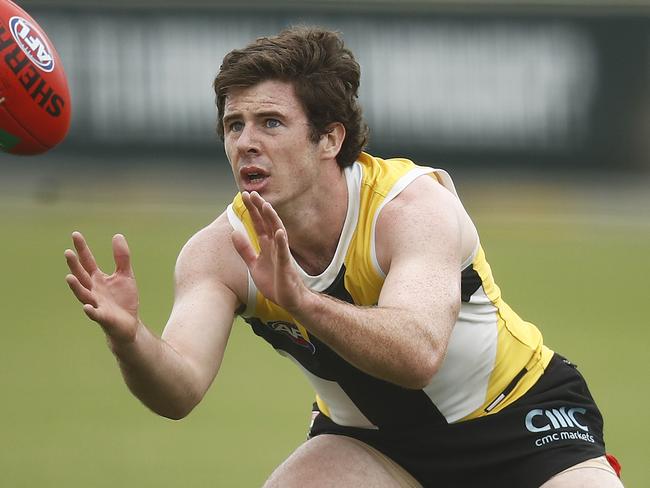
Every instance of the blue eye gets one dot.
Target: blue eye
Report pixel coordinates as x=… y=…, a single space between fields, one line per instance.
x=272 y=123
x=236 y=126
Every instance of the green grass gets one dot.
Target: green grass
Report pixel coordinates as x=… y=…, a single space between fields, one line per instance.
x=66 y=419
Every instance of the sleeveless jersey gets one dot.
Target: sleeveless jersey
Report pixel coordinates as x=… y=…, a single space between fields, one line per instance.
x=493 y=356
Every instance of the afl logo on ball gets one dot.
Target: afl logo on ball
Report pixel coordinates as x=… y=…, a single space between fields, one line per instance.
x=32 y=43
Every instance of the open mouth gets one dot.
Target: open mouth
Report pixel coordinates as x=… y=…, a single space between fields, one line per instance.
x=253 y=176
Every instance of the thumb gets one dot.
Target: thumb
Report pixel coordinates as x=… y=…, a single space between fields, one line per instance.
x=243 y=248
x=122 y=255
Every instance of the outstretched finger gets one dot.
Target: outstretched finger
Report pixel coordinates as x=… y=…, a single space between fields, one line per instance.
x=283 y=253
x=256 y=218
x=83 y=294
x=76 y=269
x=262 y=225
x=273 y=219
x=122 y=255
x=86 y=257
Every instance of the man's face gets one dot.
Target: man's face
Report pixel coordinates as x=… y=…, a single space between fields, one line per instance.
x=266 y=137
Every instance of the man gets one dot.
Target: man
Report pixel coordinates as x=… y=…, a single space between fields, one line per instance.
x=369 y=275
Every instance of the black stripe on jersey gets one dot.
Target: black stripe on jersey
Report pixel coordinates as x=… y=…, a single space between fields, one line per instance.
x=470 y=281
x=337 y=288
x=384 y=404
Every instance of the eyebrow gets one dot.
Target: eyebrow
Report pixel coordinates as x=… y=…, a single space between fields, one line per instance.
x=264 y=114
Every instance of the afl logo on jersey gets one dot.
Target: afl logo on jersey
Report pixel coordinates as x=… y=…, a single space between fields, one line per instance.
x=32 y=42
x=293 y=332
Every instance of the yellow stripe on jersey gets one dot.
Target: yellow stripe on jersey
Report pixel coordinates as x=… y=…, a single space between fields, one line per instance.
x=519 y=347
x=363 y=280
x=322 y=406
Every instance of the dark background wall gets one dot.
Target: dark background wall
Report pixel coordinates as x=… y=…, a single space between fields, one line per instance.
x=527 y=84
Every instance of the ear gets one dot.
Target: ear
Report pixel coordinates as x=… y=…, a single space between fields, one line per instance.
x=332 y=140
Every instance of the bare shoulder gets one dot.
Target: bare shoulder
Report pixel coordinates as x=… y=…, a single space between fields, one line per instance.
x=427 y=214
x=209 y=255
x=424 y=194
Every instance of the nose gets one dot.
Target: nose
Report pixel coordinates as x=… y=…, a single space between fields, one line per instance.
x=247 y=141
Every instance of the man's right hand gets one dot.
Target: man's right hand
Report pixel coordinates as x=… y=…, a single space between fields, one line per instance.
x=110 y=300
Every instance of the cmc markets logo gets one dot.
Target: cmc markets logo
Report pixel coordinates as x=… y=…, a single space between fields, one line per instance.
x=539 y=420
x=563 y=419
x=32 y=43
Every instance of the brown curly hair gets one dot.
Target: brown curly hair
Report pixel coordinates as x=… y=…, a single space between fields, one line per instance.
x=323 y=71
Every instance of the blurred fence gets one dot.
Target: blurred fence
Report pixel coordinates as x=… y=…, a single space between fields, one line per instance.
x=515 y=88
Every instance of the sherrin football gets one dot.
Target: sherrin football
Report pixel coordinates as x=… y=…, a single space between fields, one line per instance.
x=34 y=95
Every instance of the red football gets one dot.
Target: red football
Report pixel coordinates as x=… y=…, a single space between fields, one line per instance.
x=34 y=95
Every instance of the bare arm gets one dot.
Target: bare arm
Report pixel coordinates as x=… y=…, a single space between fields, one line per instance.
x=402 y=340
x=170 y=374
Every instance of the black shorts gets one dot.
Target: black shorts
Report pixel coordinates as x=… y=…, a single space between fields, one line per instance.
x=555 y=425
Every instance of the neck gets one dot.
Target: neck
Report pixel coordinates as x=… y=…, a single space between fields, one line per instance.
x=314 y=224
